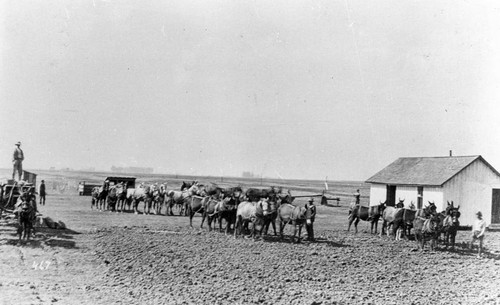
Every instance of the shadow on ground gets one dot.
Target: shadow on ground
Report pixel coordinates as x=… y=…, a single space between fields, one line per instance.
x=44 y=237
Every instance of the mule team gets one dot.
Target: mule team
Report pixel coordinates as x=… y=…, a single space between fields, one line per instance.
x=258 y=207
x=427 y=223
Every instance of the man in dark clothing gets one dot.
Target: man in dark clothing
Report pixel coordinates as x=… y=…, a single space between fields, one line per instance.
x=41 y=192
x=17 y=161
x=311 y=216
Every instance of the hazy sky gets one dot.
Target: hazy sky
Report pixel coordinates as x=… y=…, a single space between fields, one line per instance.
x=291 y=89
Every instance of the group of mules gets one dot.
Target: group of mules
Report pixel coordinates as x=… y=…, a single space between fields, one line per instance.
x=238 y=209
x=398 y=221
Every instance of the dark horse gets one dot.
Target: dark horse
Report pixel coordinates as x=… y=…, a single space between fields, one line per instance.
x=449 y=223
x=371 y=214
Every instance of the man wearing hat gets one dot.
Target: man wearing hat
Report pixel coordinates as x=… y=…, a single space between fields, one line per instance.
x=478 y=230
x=17 y=161
x=309 y=222
x=41 y=192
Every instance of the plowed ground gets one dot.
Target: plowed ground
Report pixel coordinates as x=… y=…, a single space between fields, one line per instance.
x=112 y=258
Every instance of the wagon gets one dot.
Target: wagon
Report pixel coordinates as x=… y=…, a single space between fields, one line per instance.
x=10 y=190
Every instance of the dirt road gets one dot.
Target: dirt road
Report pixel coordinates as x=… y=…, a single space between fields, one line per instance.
x=111 y=258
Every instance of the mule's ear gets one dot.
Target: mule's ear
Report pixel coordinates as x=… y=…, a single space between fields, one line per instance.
x=458 y=208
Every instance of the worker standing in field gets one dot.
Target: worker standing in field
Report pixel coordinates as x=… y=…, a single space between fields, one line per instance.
x=41 y=192
x=311 y=213
x=17 y=161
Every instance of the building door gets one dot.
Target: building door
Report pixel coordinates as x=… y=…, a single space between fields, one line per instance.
x=391 y=196
x=495 y=206
x=420 y=197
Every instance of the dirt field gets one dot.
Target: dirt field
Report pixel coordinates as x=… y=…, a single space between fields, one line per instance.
x=111 y=258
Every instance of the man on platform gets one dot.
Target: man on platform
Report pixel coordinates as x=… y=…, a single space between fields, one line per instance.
x=17 y=161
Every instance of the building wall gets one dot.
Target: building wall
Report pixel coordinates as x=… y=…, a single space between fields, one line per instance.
x=378 y=193
x=433 y=194
x=472 y=190
x=408 y=194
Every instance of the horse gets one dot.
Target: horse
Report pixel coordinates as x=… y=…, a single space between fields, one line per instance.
x=112 y=198
x=449 y=223
x=426 y=229
x=234 y=192
x=142 y=193
x=159 y=195
x=371 y=214
x=211 y=189
x=270 y=219
x=186 y=185
x=295 y=215
x=210 y=211
x=254 y=194
x=99 y=195
x=195 y=205
x=181 y=199
x=392 y=218
x=250 y=212
x=121 y=193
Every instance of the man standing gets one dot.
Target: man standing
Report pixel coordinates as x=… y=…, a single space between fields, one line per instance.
x=478 y=230
x=41 y=192
x=17 y=161
x=311 y=215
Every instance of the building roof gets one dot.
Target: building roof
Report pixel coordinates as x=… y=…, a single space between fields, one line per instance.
x=428 y=171
x=121 y=178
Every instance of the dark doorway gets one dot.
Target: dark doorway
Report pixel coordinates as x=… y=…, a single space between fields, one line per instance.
x=391 y=196
x=420 y=197
x=495 y=206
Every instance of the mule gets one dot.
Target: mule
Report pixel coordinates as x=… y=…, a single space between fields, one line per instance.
x=270 y=219
x=449 y=224
x=112 y=198
x=142 y=193
x=250 y=212
x=121 y=193
x=226 y=210
x=426 y=229
x=254 y=194
x=181 y=200
x=196 y=204
x=27 y=215
x=210 y=211
x=294 y=215
x=405 y=223
x=390 y=216
x=371 y=214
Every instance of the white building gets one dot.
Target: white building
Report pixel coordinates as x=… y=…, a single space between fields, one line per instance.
x=468 y=181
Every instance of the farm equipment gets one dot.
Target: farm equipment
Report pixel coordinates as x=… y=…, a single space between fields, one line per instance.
x=10 y=190
x=324 y=199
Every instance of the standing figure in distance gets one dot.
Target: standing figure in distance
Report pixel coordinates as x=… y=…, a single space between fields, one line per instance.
x=17 y=161
x=41 y=192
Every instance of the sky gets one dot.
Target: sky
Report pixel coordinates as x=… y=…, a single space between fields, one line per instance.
x=285 y=89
